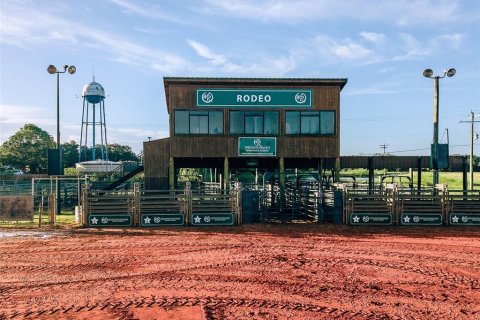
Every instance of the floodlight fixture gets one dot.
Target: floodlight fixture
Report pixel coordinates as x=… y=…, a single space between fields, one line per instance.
x=428 y=73
x=52 y=69
x=450 y=72
x=72 y=69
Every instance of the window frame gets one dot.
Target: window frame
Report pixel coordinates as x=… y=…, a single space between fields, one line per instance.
x=252 y=114
x=319 y=116
x=191 y=114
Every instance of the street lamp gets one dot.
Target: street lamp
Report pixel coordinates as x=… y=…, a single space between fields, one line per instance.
x=52 y=70
x=59 y=160
x=428 y=73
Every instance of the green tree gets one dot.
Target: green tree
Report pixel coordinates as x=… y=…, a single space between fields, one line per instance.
x=117 y=152
x=27 y=149
x=70 y=154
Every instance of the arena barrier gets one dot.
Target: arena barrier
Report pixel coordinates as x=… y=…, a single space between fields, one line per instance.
x=155 y=208
x=408 y=207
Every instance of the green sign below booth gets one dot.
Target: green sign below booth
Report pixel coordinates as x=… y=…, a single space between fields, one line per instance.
x=213 y=219
x=257 y=147
x=254 y=98
x=379 y=219
x=413 y=219
x=153 y=220
x=464 y=219
x=113 y=220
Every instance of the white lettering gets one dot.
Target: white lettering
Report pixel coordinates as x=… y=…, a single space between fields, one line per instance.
x=254 y=98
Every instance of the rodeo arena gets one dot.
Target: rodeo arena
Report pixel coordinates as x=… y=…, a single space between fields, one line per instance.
x=250 y=164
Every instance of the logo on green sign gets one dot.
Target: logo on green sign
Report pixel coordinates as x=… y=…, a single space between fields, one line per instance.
x=257 y=146
x=254 y=98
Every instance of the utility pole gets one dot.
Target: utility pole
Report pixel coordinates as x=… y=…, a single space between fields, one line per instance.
x=472 y=137
x=384 y=146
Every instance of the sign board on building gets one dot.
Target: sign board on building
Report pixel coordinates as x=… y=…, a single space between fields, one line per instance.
x=153 y=220
x=111 y=220
x=379 y=219
x=213 y=219
x=414 y=219
x=16 y=208
x=254 y=98
x=257 y=147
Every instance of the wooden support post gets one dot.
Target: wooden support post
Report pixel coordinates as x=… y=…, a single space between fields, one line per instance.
x=464 y=172
x=281 y=180
x=419 y=172
x=371 y=173
x=225 y=174
x=337 y=170
x=171 y=174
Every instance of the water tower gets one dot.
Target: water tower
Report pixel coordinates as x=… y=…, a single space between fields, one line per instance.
x=93 y=120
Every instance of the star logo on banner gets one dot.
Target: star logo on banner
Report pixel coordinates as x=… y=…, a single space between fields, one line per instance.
x=197 y=219
x=147 y=220
x=455 y=219
x=406 y=219
x=356 y=219
x=94 y=220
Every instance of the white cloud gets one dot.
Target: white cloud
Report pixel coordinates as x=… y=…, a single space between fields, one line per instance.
x=373 y=37
x=151 y=12
x=204 y=52
x=351 y=51
x=401 y=12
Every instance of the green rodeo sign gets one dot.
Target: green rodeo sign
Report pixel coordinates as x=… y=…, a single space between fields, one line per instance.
x=377 y=219
x=254 y=98
x=464 y=219
x=111 y=220
x=257 y=147
x=412 y=219
x=153 y=220
x=213 y=219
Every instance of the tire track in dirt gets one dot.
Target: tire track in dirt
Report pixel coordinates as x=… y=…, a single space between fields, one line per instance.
x=208 y=303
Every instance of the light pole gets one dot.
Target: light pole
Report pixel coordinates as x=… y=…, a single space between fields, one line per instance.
x=428 y=73
x=52 y=70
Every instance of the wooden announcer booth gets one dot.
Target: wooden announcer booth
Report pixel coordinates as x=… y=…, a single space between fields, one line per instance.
x=232 y=124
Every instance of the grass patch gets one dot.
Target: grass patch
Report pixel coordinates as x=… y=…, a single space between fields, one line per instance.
x=62 y=221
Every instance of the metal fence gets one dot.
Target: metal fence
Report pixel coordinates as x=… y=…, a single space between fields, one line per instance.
x=149 y=208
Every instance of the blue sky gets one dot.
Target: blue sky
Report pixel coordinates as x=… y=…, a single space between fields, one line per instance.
x=382 y=47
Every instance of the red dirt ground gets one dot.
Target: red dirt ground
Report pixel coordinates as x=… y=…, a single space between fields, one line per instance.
x=301 y=271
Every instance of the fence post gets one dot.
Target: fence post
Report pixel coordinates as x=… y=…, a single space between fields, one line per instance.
x=238 y=203
x=188 y=203
x=136 y=206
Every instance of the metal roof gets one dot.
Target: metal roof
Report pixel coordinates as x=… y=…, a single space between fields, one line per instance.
x=267 y=81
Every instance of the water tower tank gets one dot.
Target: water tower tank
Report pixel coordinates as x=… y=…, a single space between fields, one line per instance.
x=94 y=92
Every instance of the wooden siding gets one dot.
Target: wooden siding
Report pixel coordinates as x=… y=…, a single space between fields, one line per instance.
x=156 y=155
